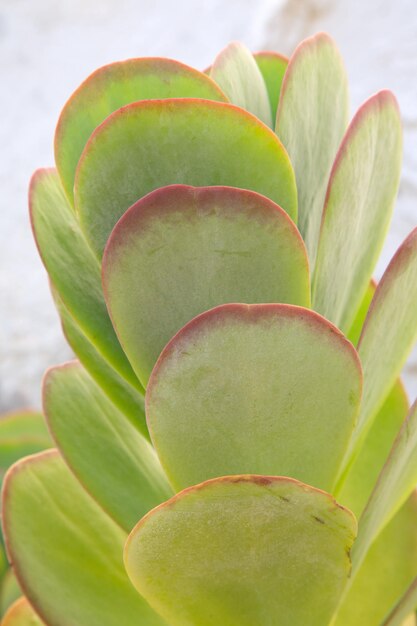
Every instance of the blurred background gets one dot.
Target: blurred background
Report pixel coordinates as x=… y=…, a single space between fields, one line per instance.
x=47 y=47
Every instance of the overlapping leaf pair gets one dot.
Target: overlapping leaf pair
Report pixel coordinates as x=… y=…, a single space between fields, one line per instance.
x=269 y=358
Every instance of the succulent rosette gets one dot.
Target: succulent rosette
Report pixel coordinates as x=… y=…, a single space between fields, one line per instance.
x=234 y=445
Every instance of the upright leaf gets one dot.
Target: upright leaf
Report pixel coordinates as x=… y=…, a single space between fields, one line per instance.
x=395 y=483
x=359 y=203
x=243 y=550
x=387 y=571
x=237 y=73
x=72 y=267
x=388 y=335
x=272 y=66
x=121 y=470
x=262 y=389
x=311 y=120
x=67 y=553
x=114 y=86
x=124 y=396
x=152 y=144
x=183 y=250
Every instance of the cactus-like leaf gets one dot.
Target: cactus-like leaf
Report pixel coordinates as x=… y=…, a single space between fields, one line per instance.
x=114 y=86
x=311 y=120
x=121 y=470
x=243 y=550
x=183 y=250
x=238 y=75
x=67 y=554
x=152 y=144
x=360 y=200
x=259 y=389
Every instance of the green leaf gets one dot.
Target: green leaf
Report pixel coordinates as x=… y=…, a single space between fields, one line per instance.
x=21 y=614
x=359 y=203
x=195 y=248
x=238 y=75
x=66 y=552
x=9 y=591
x=272 y=66
x=388 y=569
x=121 y=470
x=395 y=483
x=114 y=86
x=125 y=397
x=361 y=313
x=72 y=267
x=388 y=336
x=152 y=144
x=243 y=550
x=257 y=389
x=407 y=604
x=21 y=433
x=364 y=471
x=311 y=120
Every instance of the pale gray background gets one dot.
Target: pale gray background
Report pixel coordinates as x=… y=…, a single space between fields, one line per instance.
x=48 y=46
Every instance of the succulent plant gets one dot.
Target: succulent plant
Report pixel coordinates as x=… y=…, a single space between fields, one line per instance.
x=210 y=237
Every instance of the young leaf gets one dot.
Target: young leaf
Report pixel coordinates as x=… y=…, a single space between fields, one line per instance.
x=21 y=614
x=183 y=250
x=311 y=120
x=406 y=605
x=67 y=554
x=151 y=144
x=72 y=267
x=237 y=74
x=364 y=471
x=121 y=470
x=362 y=311
x=262 y=389
x=114 y=86
x=387 y=337
x=125 y=397
x=359 y=203
x=243 y=550
x=272 y=66
x=395 y=483
x=389 y=568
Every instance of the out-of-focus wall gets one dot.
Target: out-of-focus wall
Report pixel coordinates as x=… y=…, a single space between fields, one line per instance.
x=47 y=47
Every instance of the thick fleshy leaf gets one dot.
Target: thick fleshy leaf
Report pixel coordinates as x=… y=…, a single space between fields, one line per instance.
x=183 y=250
x=127 y=399
x=9 y=591
x=364 y=471
x=152 y=144
x=114 y=86
x=311 y=120
x=21 y=433
x=272 y=66
x=359 y=203
x=260 y=389
x=388 y=336
x=67 y=553
x=72 y=267
x=238 y=75
x=243 y=550
x=395 y=483
x=404 y=606
x=21 y=614
x=121 y=470
x=387 y=571
x=355 y=330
